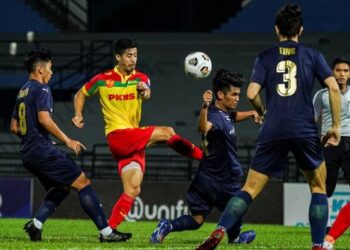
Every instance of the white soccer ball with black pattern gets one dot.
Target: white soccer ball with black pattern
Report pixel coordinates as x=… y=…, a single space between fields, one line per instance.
x=198 y=65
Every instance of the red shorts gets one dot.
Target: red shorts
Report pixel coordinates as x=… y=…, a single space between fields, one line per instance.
x=129 y=145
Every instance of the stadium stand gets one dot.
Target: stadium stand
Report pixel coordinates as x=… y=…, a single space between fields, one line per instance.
x=264 y=14
x=11 y=10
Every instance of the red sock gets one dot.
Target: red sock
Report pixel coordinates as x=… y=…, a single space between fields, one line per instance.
x=341 y=223
x=120 y=210
x=185 y=147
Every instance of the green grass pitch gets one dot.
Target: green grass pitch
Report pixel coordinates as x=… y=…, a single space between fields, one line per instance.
x=82 y=235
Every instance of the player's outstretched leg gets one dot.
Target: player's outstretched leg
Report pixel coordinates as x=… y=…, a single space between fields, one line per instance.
x=185 y=147
x=213 y=240
x=163 y=229
x=33 y=232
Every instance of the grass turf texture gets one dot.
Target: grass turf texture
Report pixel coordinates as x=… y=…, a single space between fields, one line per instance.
x=82 y=235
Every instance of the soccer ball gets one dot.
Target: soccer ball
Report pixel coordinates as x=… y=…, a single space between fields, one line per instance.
x=197 y=65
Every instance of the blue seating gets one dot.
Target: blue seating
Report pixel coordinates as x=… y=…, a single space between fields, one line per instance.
x=259 y=16
x=14 y=12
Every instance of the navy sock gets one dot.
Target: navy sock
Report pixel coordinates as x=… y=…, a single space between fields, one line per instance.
x=235 y=209
x=318 y=215
x=185 y=222
x=234 y=231
x=92 y=206
x=52 y=200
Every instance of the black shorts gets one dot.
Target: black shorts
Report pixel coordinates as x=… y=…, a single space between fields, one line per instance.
x=271 y=157
x=204 y=194
x=52 y=166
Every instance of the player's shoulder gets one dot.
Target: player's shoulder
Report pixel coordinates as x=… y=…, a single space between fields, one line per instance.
x=104 y=75
x=308 y=50
x=215 y=114
x=37 y=87
x=110 y=73
x=141 y=74
x=320 y=93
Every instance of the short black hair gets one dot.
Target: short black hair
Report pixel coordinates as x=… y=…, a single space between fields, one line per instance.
x=224 y=79
x=289 y=20
x=33 y=57
x=123 y=44
x=340 y=60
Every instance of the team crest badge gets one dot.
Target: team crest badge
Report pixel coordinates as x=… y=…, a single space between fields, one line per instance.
x=109 y=83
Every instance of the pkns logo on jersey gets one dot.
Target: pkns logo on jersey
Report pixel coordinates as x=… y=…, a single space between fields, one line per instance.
x=124 y=97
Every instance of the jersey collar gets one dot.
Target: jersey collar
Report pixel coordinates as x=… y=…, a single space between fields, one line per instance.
x=123 y=78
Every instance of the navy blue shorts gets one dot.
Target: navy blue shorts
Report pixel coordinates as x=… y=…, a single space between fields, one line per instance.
x=271 y=157
x=204 y=194
x=52 y=166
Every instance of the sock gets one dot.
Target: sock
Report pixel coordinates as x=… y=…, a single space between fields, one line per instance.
x=330 y=209
x=52 y=200
x=185 y=147
x=235 y=209
x=106 y=231
x=318 y=214
x=120 y=210
x=184 y=222
x=341 y=223
x=92 y=206
x=38 y=224
x=234 y=231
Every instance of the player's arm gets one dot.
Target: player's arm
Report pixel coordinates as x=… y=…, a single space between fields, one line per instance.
x=46 y=121
x=239 y=116
x=144 y=90
x=79 y=102
x=333 y=133
x=203 y=124
x=254 y=98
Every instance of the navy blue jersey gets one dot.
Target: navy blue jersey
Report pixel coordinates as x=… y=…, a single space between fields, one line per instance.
x=220 y=161
x=32 y=98
x=288 y=71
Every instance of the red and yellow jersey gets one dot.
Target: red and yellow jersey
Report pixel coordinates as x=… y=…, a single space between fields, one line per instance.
x=121 y=105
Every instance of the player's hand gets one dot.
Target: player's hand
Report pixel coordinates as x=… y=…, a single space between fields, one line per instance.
x=76 y=146
x=77 y=121
x=332 y=137
x=207 y=98
x=258 y=119
x=142 y=87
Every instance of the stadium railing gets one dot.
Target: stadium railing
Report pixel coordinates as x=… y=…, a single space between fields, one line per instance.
x=162 y=164
x=75 y=61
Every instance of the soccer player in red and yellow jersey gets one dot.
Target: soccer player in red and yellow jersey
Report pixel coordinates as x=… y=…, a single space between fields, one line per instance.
x=121 y=92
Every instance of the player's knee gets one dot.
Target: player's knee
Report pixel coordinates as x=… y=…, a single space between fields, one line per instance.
x=169 y=132
x=134 y=191
x=81 y=182
x=318 y=186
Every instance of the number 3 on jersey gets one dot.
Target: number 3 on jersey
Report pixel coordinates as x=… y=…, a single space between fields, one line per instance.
x=289 y=85
x=22 y=118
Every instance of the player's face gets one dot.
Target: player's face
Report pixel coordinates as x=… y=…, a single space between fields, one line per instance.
x=46 y=71
x=231 y=98
x=127 y=61
x=341 y=73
